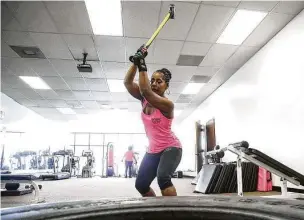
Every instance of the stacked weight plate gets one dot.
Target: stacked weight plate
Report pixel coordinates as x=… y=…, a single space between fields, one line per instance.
x=222 y=178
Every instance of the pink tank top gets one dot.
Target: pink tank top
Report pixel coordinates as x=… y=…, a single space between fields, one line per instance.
x=158 y=130
x=129 y=155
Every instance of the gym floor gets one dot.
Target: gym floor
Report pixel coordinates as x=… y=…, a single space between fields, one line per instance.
x=98 y=188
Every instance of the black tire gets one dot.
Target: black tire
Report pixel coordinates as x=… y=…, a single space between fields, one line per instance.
x=168 y=208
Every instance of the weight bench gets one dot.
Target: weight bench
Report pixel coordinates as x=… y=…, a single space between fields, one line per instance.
x=262 y=160
x=23 y=178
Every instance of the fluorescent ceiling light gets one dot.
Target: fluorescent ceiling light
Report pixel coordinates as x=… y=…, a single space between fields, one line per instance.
x=105 y=16
x=240 y=26
x=193 y=88
x=66 y=111
x=35 y=82
x=116 y=85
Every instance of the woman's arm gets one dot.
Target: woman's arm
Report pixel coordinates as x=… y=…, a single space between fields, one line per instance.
x=129 y=83
x=161 y=103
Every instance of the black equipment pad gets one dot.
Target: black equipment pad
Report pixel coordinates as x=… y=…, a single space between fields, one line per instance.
x=16 y=192
x=17 y=177
x=56 y=176
x=275 y=164
x=214 y=178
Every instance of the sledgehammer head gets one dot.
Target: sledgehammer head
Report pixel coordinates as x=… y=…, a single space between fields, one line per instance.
x=172 y=11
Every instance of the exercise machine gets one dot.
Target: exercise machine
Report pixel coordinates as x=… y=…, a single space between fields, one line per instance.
x=12 y=185
x=87 y=170
x=219 y=177
x=75 y=165
x=65 y=172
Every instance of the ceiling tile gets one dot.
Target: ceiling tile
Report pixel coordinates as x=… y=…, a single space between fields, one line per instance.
x=209 y=23
x=83 y=95
x=70 y=16
x=55 y=83
x=140 y=18
x=90 y=104
x=30 y=94
x=6 y=51
x=17 y=38
x=80 y=110
x=13 y=93
x=66 y=94
x=13 y=82
x=102 y=96
x=267 y=29
x=18 y=66
x=79 y=44
x=74 y=104
x=111 y=48
x=97 y=71
x=184 y=98
x=222 y=76
x=206 y=70
x=133 y=44
x=26 y=102
x=66 y=68
x=33 y=16
x=57 y=103
x=167 y=52
x=193 y=48
x=119 y=97
x=42 y=103
x=222 y=3
x=52 y=45
x=47 y=94
x=258 y=5
x=177 y=87
x=5 y=71
x=120 y=105
x=182 y=73
x=76 y=83
x=97 y=84
x=180 y=106
x=45 y=110
x=241 y=56
x=289 y=7
x=173 y=96
x=115 y=70
x=8 y=21
x=178 y=28
x=218 y=54
x=70 y=117
x=41 y=66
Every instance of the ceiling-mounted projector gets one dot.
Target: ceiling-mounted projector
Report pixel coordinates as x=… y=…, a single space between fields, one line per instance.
x=84 y=67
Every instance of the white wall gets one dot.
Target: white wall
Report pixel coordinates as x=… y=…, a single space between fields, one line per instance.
x=263 y=102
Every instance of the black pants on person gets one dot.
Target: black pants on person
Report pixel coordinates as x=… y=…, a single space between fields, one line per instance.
x=161 y=165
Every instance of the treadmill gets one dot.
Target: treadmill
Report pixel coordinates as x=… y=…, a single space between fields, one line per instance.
x=66 y=168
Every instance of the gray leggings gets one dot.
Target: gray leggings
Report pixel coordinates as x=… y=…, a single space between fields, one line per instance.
x=161 y=165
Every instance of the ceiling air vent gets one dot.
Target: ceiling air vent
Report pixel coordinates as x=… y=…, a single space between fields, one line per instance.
x=199 y=79
x=189 y=60
x=28 y=52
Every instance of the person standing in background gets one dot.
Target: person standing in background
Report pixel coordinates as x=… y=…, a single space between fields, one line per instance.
x=129 y=159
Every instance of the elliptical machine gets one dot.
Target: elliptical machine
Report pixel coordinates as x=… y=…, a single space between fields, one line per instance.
x=87 y=170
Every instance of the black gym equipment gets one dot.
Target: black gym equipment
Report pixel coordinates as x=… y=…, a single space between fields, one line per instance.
x=87 y=170
x=190 y=208
x=12 y=185
x=244 y=177
x=66 y=168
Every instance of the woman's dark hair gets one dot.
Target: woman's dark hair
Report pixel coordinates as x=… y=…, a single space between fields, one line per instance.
x=167 y=75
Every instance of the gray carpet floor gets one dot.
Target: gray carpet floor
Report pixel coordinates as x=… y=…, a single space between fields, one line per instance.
x=91 y=188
